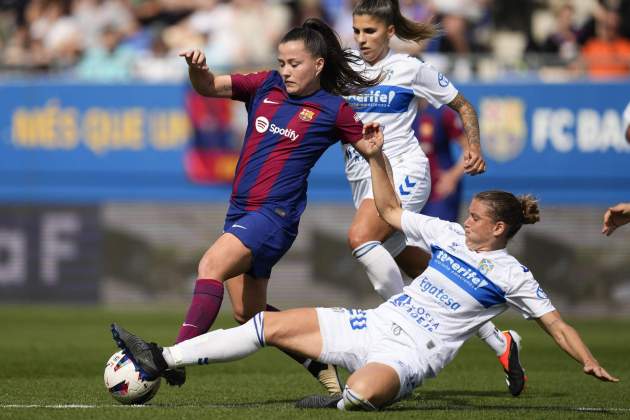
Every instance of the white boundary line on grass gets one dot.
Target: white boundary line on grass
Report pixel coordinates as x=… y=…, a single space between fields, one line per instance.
x=88 y=406
x=64 y=406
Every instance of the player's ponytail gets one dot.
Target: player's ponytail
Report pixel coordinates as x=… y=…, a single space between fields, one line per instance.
x=529 y=204
x=388 y=11
x=514 y=211
x=337 y=77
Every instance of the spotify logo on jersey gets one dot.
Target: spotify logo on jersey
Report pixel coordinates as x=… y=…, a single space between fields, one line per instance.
x=262 y=124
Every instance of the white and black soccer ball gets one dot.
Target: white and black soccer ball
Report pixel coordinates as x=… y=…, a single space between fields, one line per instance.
x=123 y=381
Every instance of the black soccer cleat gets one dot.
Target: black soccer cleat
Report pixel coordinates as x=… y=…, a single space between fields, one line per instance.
x=514 y=373
x=175 y=376
x=146 y=356
x=319 y=401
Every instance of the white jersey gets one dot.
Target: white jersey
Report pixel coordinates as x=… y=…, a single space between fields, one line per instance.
x=460 y=290
x=394 y=105
x=626 y=119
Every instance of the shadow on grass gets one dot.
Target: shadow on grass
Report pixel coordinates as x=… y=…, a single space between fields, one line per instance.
x=595 y=410
x=457 y=400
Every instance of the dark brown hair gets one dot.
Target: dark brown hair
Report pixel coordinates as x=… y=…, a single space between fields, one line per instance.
x=513 y=211
x=337 y=77
x=389 y=12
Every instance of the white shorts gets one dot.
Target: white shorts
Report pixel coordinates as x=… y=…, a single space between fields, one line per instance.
x=412 y=183
x=352 y=338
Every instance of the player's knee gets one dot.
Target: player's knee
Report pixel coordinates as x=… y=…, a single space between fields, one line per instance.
x=242 y=314
x=357 y=236
x=273 y=330
x=207 y=267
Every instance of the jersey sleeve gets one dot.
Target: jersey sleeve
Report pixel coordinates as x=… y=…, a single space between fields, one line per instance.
x=626 y=118
x=423 y=230
x=528 y=297
x=244 y=86
x=433 y=86
x=348 y=126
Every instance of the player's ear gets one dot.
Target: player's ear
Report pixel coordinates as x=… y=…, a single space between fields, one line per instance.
x=391 y=31
x=499 y=229
x=319 y=66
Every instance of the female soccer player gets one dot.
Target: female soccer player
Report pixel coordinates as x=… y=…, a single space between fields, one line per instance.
x=394 y=105
x=415 y=334
x=294 y=115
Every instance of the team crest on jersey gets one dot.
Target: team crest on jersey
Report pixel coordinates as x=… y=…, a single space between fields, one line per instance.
x=503 y=127
x=485 y=266
x=306 y=115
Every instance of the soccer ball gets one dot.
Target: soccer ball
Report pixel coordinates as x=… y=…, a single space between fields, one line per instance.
x=123 y=381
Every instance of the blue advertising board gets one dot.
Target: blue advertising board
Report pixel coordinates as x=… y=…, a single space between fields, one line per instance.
x=90 y=143
x=562 y=142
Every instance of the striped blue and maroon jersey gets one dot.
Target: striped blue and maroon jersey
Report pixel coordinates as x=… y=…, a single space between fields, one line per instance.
x=285 y=136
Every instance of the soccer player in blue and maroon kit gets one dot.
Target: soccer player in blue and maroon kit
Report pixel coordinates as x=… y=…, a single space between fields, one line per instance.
x=437 y=130
x=294 y=115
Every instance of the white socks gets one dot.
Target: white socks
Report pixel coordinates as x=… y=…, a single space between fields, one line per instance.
x=218 y=345
x=352 y=401
x=492 y=337
x=381 y=268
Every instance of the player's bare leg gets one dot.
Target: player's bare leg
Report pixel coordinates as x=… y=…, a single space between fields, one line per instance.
x=249 y=296
x=413 y=261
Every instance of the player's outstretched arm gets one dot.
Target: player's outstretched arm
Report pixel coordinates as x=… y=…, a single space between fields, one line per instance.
x=202 y=79
x=570 y=341
x=614 y=217
x=385 y=198
x=474 y=163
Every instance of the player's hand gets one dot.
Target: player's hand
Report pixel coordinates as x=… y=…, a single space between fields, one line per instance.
x=474 y=163
x=195 y=59
x=446 y=184
x=594 y=369
x=614 y=217
x=373 y=136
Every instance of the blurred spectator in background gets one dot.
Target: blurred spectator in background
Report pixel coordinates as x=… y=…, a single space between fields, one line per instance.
x=607 y=55
x=462 y=22
x=93 y=16
x=301 y=10
x=165 y=12
x=437 y=131
x=343 y=23
x=110 y=62
x=159 y=63
x=483 y=38
x=227 y=30
x=52 y=26
x=563 y=42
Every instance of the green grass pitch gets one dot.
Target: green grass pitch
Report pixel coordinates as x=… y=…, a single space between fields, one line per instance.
x=52 y=361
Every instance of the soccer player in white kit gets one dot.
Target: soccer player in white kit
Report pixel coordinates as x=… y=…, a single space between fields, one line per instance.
x=394 y=105
x=392 y=349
